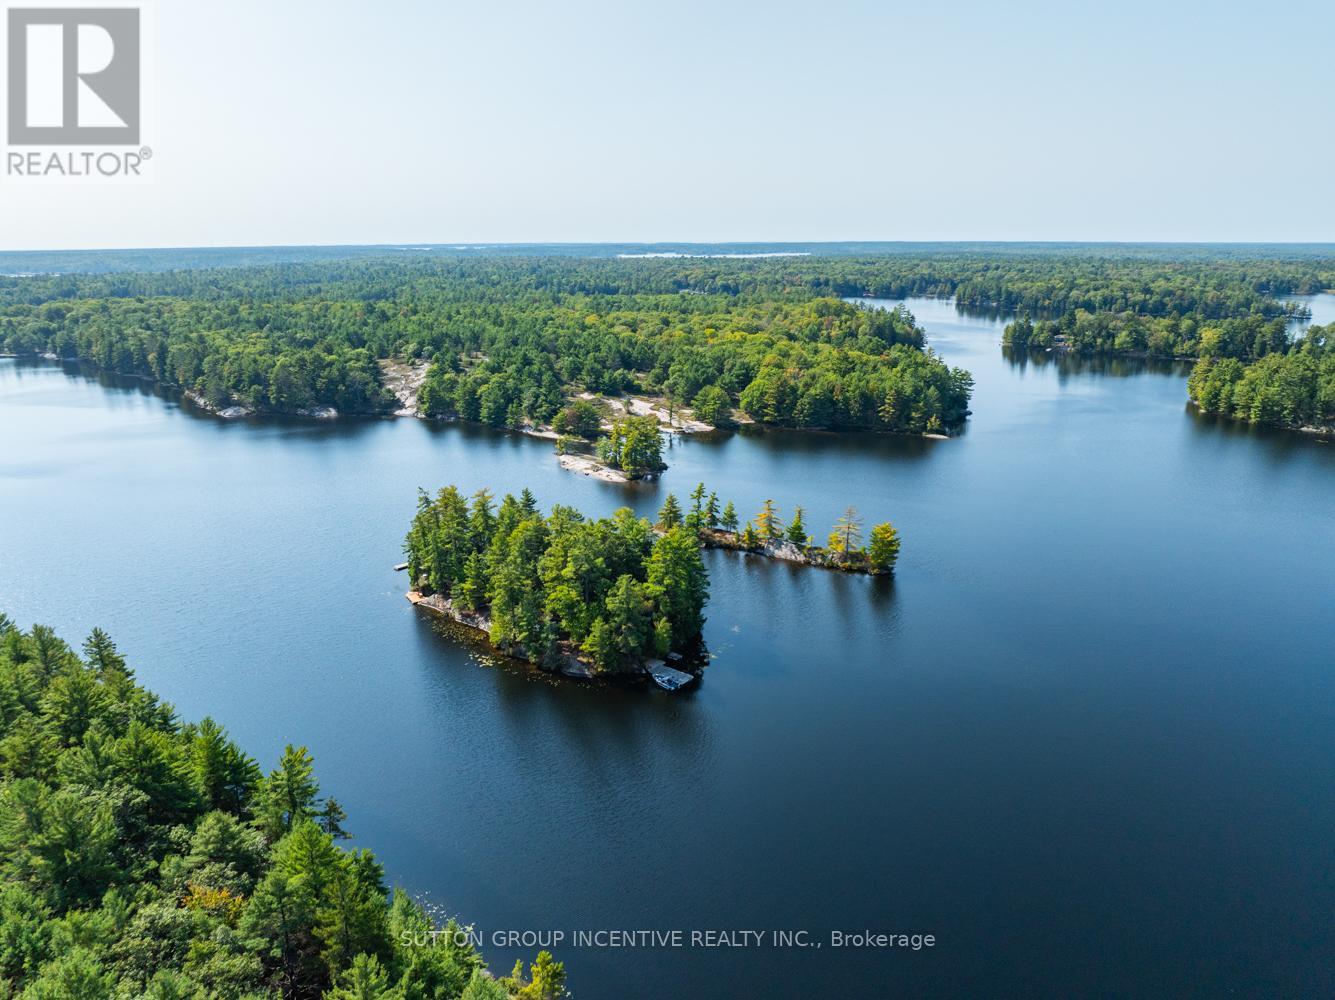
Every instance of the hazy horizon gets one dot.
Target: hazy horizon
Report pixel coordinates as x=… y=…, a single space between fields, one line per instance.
x=309 y=124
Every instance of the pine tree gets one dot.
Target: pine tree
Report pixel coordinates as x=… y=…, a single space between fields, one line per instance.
x=771 y=528
x=797 y=531
x=749 y=537
x=482 y=519
x=730 y=518
x=712 y=511
x=331 y=817
x=883 y=552
x=101 y=654
x=695 y=520
x=287 y=796
x=670 y=515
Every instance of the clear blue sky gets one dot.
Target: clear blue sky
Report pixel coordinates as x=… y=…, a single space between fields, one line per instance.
x=401 y=121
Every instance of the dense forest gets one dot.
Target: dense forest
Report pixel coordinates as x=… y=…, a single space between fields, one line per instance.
x=1187 y=336
x=611 y=589
x=511 y=338
x=1294 y=389
x=142 y=858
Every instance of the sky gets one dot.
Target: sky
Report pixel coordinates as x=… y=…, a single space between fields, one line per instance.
x=398 y=121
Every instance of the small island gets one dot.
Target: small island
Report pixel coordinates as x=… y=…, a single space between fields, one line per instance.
x=611 y=597
x=768 y=536
x=583 y=597
x=625 y=449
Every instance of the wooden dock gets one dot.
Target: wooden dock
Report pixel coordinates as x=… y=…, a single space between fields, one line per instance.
x=668 y=678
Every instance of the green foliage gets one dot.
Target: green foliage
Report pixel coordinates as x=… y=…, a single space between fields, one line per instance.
x=144 y=859
x=883 y=552
x=1287 y=390
x=600 y=586
x=633 y=445
x=797 y=530
x=728 y=522
x=713 y=405
x=771 y=528
x=510 y=340
x=669 y=515
x=580 y=419
x=1167 y=337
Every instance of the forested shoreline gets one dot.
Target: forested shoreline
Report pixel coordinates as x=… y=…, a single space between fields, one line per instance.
x=604 y=596
x=1293 y=388
x=143 y=858
x=561 y=589
x=511 y=340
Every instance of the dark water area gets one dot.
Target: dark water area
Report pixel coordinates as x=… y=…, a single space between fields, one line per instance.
x=1086 y=738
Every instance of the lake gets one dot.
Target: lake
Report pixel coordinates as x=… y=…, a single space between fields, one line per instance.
x=1086 y=738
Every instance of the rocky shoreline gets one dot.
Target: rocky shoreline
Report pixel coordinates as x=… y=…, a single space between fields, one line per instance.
x=571 y=663
x=806 y=555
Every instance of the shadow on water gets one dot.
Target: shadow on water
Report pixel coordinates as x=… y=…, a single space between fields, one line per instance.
x=1273 y=442
x=1069 y=364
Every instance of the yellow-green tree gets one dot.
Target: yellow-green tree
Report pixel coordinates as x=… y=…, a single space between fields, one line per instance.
x=883 y=552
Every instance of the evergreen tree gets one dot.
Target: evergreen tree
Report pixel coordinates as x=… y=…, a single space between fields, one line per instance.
x=101 y=653
x=883 y=552
x=771 y=528
x=331 y=817
x=669 y=516
x=695 y=520
x=482 y=519
x=797 y=532
x=288 y=795
x=729 y=521
x=678 y=584
x=712 y=511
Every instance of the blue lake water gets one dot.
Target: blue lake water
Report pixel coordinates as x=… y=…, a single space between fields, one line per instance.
x=1086 y=738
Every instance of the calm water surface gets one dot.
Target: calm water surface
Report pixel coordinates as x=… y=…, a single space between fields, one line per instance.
x=1086 y=738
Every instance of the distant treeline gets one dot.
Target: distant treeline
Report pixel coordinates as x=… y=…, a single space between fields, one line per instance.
x=144 y=858
x=1167 y=337
x=512 y=337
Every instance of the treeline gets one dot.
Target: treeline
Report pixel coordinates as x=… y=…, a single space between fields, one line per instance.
x=719 y=526
x=1168 y=337
x=1294 y=389
x=816 y=363
x=146 y=859
x=611 y=591
x=511 y=337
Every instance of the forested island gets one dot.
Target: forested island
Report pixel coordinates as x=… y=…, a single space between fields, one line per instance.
x=604 y=597
x=720 y=527
x=142 y=858
x=1293 y=389
x=563 y=591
